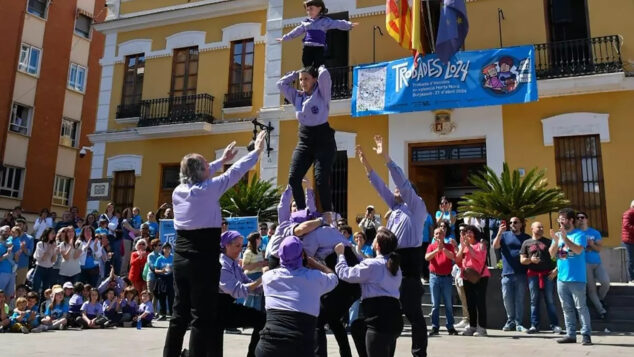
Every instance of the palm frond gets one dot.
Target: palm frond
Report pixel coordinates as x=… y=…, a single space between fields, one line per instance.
x=255 y=198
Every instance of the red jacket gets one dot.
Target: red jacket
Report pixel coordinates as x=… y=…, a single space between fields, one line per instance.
x=627 y=232
x=137 y=263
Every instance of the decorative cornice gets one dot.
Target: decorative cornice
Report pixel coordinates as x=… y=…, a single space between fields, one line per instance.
x=354 y=13
x=169 y=131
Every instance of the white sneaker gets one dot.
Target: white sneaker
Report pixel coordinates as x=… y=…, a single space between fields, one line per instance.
x=462 y=324
x=480 y=331
x=520 y=328
x=557 y=330
x=469 y=331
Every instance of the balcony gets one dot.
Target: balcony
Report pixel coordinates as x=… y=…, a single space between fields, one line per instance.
x=176 y=110
x=128 y=110
x=236 y=100
x=578 y=57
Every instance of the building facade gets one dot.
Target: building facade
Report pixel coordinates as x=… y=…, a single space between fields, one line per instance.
x=49 y=75
x=189 y=76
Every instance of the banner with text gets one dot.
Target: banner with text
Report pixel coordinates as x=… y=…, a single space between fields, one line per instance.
x=167 y=233
x=470 y=79
x=244 y=225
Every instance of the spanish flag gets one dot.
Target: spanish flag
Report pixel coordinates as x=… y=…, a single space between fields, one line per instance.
x=405 y=24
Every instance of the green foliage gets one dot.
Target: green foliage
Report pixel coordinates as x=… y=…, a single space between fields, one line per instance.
x=510 y=195
x=257 y=198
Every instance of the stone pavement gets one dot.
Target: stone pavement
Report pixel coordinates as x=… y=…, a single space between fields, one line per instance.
x=149 y=342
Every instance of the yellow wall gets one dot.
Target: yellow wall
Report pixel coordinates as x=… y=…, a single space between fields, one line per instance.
x=523 y=129
x=615 y=19
x=167 y=151
x=360 y=192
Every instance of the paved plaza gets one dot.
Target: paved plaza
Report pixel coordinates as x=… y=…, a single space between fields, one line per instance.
x=149 y=342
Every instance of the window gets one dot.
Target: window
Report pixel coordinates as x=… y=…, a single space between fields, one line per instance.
x=37 y=8
x=77 y=77
x=170 y=178
x=82 y=25
x=20 y=119
x=123 y=189
x=62 y=190
x=29 y=59
x=580 y=176
x=240 y=74
x=11 y=182
x=70 y=133
x=132 y=86
x=184 y=72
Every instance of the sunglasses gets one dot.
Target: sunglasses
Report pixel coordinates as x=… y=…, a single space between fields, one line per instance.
x=515 y=222
x=582 y=217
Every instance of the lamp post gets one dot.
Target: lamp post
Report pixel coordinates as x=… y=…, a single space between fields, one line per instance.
x=257 y=125
x=376 y=27
x=500 y=18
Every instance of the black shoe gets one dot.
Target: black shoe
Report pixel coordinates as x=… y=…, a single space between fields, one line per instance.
x=586 y=340
x=603 y=316
x=567 y=339
x=605 y=306
x=433 y=332
x=185 y=353
x=452 y=332
x=233 y=331
x=162 y=318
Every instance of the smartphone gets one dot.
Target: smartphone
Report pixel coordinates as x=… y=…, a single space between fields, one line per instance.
x=503 y=222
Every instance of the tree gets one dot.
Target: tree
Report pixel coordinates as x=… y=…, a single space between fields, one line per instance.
x=257 y=198
x=510 y=195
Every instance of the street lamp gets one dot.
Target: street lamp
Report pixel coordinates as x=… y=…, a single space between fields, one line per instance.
x=376 y=27
x=257 y=125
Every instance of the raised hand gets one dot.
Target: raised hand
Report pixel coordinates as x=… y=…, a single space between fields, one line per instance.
x=230 y=152
x=355 y=24
x=378 y=142
x=339 y=248
x=260 y=140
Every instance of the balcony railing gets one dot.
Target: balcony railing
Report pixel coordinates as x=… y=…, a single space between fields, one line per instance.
x=341 y=82
x=176 y=110
x=578 y=57
x=128 y=110
x=240 y=99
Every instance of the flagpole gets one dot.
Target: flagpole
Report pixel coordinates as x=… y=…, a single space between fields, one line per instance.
x=431 y=27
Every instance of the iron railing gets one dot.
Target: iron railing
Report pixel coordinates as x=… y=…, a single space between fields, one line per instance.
x=128 y=110
x=341 y=82
x=240 y=99
x=578 y=57
x=175 y=110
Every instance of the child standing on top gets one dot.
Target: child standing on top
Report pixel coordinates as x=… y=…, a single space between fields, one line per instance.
x=315 y=27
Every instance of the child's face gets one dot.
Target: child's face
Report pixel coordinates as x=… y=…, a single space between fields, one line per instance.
x=68 y=291
x=313 y=11
x=94 y=296
x=359 y=239
x=110 y=295
x=31 y=302
x=20 y=293
x=306 y=81
x=129 y=296
x=59 y=298
x=21 y=306
x=145 y=298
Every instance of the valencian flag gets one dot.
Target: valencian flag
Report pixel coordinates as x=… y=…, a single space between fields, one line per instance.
x=452 y=29
x=405 y=24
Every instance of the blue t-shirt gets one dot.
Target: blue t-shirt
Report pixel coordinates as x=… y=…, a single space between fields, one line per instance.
x=592 y=257
x=136 y=221
x=162 y=261
x=90 y=259
x=58 y=311
x=5 y=266
x=510 y=249
x=102 y=231
x=264 y=243
x=367 y=250
x=429 y=222
x=572 y=267
x=154 y=227
x=23 y=259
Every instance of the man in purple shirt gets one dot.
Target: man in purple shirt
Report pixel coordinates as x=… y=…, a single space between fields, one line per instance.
x=197 y=219
x=407 y=222
x=235 y=284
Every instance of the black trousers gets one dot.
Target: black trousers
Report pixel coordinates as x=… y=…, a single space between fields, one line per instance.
x=165 y=293
x=411 y=298
x=379 y=324
x=287 y=334
x=316 y=145
x=425 y=263
x=313 y=56
x=334 y=306
x=196 y=276
x=232 y=315
x=476 y=302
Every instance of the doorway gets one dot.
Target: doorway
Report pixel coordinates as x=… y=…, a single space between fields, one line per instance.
x=443 y=169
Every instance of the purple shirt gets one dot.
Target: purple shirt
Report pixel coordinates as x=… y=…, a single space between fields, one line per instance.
x=285 y=229
x=75 y=303
x=233 y=279
x=297 y=290
x=92 y=309
x=310 y=110
x=372 y=275
x=321 y=24
x=322 y=241
x=147 y=307
x=196 y=206
x=284 y=207
x=407 y=220
x=109 y=305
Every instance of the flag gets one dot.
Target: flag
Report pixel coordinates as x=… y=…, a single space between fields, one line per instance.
x=406 y=24
x=452 y=29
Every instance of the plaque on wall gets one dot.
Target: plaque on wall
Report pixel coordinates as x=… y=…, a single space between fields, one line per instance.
x=99 y=189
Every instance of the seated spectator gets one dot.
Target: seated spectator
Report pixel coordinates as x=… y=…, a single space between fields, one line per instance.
x=68 y=291
x=34 y=316
x=19 y=320
x=129 y=306
x=55 y=316
x=146 y=310
x=74 y=305
x=48 y=296
x=92 y=312
x=112 y=306
x=4 y=312
x=346 y=230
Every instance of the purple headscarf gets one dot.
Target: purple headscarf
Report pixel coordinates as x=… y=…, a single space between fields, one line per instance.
x=291 y=253
x=228 y=237
x=303 y=215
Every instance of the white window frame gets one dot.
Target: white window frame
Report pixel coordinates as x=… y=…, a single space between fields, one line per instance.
x=28 y=119
x=73 y=142
x=80 y=34
x=5 y=187
x=44 y=15
x=73 y=75
x=24 y=61
x=59 y=187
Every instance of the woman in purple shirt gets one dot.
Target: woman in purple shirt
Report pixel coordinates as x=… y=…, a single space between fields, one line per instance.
x=292 y=294
x=380 y=322
x=316 y=144
x=197 y=220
